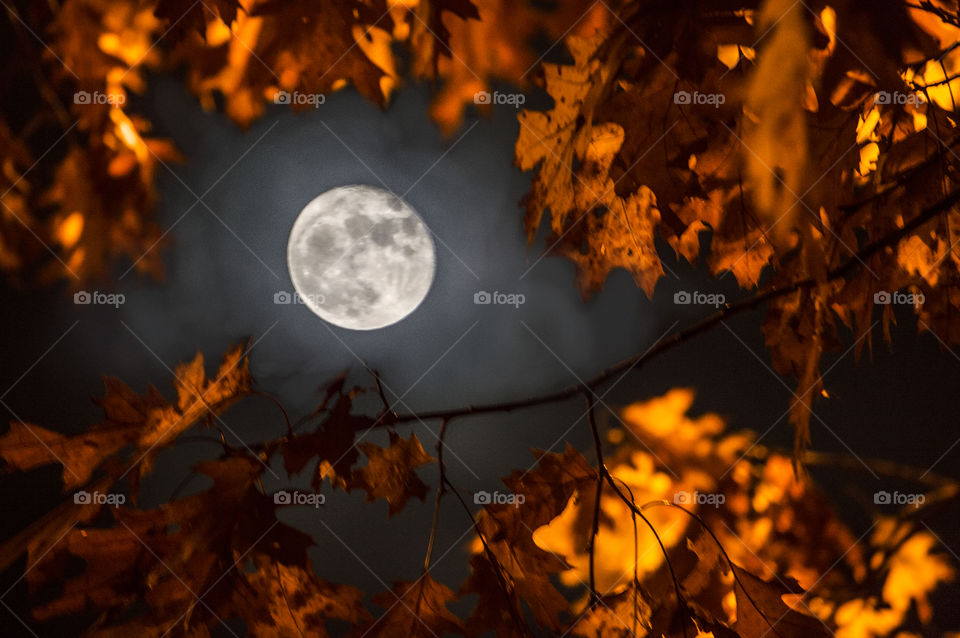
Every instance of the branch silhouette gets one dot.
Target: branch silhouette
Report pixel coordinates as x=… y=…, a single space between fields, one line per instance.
x=636 y=361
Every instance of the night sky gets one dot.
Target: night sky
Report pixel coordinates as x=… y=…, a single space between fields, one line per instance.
x=226 y=262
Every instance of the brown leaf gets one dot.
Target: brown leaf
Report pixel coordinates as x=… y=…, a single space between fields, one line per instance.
x=498 y=46
x=391 y=471
x=553 y=140
x=760 y=605
x=775 y=140
x=509 y=529
x=796 y=333
x=620 y=235
x=112 y=212
x=415 y=610
x=117 y=557
x=496 y=610
x=284 y=601
x=183 y=15
x=332 y=442
x=142 y=421
x=623 y=615
x=429 y=35
x=607 y=231
x=167 y=556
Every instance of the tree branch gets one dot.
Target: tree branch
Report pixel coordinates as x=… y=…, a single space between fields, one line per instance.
x=736 y=308
x=604 y=475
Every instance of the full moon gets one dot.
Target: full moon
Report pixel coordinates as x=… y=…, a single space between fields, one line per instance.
x=360 y=257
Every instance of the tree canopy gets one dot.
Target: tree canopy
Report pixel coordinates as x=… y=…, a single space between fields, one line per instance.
x=808 y=149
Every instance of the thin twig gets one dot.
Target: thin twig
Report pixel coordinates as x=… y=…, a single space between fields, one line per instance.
x=591 y=546
x=440 y=490
x=379 y=386
x=275 y=401
x=636 y=558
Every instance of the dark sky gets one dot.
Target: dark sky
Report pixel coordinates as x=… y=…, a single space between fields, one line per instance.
x=225 y=263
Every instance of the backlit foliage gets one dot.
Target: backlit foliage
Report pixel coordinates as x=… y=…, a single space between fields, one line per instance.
x=808 y=150
x=815 y=138
x=774 y=534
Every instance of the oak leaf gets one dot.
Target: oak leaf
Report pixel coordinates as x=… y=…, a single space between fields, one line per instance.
x=333 y=440
x=430 y=37
x=760 y=606
x=141 y=421
x=391 y=471
x=509 y=531
x=290 y=601
x=183 y=15
x=415 y=610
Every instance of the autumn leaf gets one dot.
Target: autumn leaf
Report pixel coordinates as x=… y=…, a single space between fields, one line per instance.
x=391 y=471
x=509 y=530
x=333 y=440
x=615 y=234
x=144 y=421
x=607 y=231
x=111 y=225
x=552 y=140
x=110 y=552
x=760 y=606
x=415 y=609
x=186 y=546
x=915 y=567
x=231 y=381
x=183 y=15
x=623 y=615
x=499 y=47
x=430 y=36
x=776 y=143
x=280 y=600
